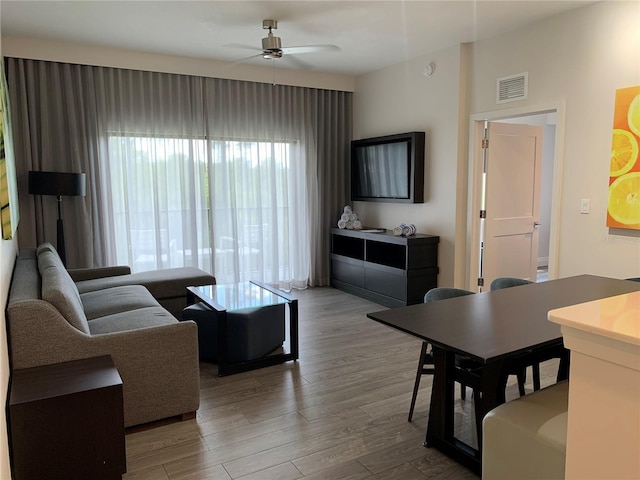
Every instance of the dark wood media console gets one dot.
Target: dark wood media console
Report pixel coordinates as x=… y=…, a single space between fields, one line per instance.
x=390 y=270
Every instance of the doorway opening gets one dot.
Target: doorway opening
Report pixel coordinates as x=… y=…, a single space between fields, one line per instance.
x=551 y=120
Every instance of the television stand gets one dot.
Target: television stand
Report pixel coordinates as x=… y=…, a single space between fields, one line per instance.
x=390 y=270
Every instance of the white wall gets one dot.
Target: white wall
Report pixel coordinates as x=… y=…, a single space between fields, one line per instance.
x=400 y=99
x=580 y=57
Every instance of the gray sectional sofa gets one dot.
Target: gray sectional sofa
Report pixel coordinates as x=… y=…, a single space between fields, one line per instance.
x=51 y=318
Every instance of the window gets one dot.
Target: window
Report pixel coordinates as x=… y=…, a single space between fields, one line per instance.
x=226 y=206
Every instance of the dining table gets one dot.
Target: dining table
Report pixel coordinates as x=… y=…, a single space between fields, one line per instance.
x=499 y=330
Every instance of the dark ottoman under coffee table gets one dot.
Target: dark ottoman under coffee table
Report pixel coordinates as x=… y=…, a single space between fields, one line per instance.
x=243 y=326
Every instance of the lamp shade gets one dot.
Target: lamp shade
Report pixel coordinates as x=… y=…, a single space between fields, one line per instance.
x=58 y=183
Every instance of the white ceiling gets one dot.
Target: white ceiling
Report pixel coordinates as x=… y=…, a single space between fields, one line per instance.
x=371 y=34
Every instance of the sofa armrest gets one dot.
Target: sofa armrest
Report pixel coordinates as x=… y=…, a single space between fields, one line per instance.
x=80 y=274
x=161 y=379
x=159 y=365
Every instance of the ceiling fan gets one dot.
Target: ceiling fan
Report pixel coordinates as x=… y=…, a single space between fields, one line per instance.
x=272 y=46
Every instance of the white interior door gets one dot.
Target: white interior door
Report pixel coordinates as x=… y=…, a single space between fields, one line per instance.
x=512 y=202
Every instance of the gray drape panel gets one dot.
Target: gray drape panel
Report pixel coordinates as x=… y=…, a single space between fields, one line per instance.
x=55 y=130
x=62 y=114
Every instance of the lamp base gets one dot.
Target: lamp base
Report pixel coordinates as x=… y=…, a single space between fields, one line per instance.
x=62 y=252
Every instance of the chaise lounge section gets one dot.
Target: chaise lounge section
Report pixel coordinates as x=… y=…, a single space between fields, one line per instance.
x=52 y=319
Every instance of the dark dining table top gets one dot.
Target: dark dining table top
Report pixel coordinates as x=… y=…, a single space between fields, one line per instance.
x=490 y=325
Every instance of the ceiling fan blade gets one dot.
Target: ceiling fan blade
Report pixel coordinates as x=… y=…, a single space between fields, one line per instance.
x=244 y=47
x=310 y=49
x=242 y=60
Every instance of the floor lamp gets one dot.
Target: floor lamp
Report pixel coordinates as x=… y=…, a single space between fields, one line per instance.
x=58 y=184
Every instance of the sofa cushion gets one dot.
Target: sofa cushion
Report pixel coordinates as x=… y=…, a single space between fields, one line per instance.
x=116 y=300
x=147 y=317
x=26 y=282
x=60 y=291
x=46 y=247
x=167 y=283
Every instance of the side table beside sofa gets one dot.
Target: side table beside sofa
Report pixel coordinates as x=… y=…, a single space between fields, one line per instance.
x=51 y=410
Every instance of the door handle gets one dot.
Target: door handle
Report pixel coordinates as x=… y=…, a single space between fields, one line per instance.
x=536 y=224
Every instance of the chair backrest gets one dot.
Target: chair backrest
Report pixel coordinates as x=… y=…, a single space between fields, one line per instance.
x=507 y=282
x=442 y=293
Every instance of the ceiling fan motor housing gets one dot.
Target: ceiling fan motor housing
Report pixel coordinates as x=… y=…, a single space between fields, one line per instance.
x=271 y=43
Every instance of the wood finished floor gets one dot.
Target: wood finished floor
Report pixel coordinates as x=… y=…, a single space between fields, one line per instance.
x=340 y=412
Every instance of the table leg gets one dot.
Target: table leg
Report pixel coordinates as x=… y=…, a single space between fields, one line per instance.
x=494 y=381
x=293 y=328
x=222 y=342
x=440 y=426
x=191 y=298
x=563 y=368
x=440 y=429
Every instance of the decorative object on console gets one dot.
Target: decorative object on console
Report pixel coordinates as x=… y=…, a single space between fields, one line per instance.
x=349 y=220
x=58 y=184
x=405 y=230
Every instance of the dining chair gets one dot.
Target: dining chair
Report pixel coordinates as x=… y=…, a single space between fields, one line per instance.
x=508 y=282
x=425 y=361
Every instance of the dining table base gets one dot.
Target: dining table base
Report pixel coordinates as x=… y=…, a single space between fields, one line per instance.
x=493 y=381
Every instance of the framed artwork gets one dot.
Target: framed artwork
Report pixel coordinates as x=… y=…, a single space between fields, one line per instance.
x=623 y=205
x=8 y=182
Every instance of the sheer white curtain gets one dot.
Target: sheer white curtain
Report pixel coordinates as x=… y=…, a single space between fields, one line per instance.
x=238 y=178
x=223 y=206
x=256 y=212
x=159 y=206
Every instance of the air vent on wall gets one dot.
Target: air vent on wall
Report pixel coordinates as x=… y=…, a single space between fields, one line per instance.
x=512 y=88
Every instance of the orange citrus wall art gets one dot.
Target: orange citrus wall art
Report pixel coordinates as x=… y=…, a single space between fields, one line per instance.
x=623 y=206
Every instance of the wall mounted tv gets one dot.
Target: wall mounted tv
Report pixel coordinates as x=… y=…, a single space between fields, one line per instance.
x=388 y=169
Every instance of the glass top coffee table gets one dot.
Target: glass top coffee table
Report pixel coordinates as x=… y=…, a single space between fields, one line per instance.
x=259 y=307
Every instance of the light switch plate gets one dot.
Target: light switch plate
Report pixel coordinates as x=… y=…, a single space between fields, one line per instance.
x=585 y=205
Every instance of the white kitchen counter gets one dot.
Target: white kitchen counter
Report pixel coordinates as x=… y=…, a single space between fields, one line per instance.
x=603 y=430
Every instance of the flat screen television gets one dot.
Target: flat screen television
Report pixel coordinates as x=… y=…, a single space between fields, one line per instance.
x=388 y=169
